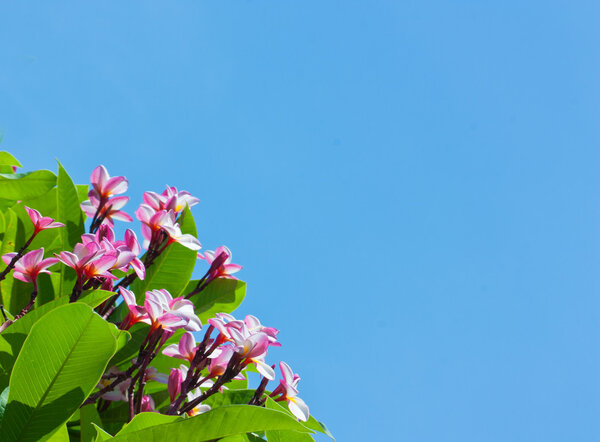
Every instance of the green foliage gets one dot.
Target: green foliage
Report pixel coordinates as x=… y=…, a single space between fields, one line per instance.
x=220 y=296
x=220 y=422
x=69 y=213
x=52 y=358
x=60 y=363
x=12 y=339
x=22 y=186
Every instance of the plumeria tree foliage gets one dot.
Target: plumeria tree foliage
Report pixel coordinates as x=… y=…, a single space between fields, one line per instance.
x=105 y=337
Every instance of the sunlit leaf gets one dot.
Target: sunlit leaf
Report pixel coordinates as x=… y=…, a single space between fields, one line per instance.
x=60 y=363
x=22 y=186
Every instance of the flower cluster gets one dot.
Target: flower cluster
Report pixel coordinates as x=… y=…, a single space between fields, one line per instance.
x=99 y=253
x=168 y=323
x=158 y=214
x=160 y=310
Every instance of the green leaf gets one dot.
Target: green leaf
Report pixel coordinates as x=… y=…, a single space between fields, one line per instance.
x=22 y=186
x=69 y=213
x=101 y=435
x=220 y=422
x=6 y=159
x=89 y=416
x=138 y=333
x=229 y=397
x=146 y=420
x=60 y=435
x=288 y=436
x=82 y=192
x=115 y=417
x=248 y=437
x=3 y=402
x=221 y=296
x=11 y=339
x=60 y=363
x=173 y=268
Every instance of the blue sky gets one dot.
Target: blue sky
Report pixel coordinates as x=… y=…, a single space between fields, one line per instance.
x=412 y=187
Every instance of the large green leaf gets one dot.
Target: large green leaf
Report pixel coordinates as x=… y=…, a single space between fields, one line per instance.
x=6 y=159
x=60 y=435
x=173 y=269
x=82 y=192
x=60 y=363
x=147 y=420
x=22 y=186
x=220 y=422
x=230 y=397
x=12 y=339
x=248 y=437
x=69 y=213
x=287 y=436
x=220 y=296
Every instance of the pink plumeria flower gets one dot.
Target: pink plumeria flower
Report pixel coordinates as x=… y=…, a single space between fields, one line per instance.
x=136 y=313
x=125 y=251
x=200 y=408
x=153 y=222
x=185 y=349
x=223 y=322
x=253 y=348
x=101 y=202
x=41 y=222
x=226 y=269
x=255 y=326
x=288 y=391
x=82 y=256
x=170 y=314
x=170 y=199
x=148 y=404
x=111 y=209
x=104 y=186
x=30 y=265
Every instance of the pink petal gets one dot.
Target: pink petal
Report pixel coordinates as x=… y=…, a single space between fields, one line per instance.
x=115 y=185
x=286 y=372
x=34 y=215
x=187 y=345
x=7 y=258
x=172 y=351
x=99 y=176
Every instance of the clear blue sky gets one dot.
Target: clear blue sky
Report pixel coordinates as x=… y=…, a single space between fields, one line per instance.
x=412 y=187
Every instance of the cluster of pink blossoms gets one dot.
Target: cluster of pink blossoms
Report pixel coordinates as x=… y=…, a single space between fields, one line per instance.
x=212 y=362
x=98 y=254
x=160 y=310
x=158 y=214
